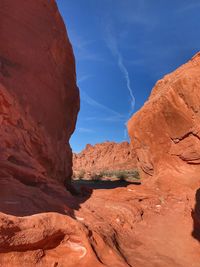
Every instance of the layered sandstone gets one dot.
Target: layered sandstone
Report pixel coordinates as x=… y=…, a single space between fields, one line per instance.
x=165 y=133
x=107 y=156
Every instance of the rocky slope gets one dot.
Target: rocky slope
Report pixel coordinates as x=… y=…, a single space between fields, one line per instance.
x=105 y=156
x=41 y=223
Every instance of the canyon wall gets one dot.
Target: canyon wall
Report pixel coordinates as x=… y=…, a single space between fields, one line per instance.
x=165 y=133
x=39 y=99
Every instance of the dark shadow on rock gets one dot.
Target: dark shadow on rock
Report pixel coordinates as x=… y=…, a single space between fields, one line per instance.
x=81 y=184
x=22 y=199
x=196 y=217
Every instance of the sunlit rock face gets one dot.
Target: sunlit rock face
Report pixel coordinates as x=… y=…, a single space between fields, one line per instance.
x=107 y=156
x=165 y=133
x=39 y=99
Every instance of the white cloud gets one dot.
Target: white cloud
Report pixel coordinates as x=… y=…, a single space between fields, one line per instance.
x=92 y=102
x=120 y=118
x=83 y=48
x=84 y=78
x=85 y=130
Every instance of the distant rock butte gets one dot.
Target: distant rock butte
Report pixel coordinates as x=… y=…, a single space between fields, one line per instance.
x=41 y=223
x=165 y=133
x=105 y=156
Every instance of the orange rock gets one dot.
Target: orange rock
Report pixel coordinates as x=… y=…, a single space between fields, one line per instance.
x=146 y=226
x=158 y=222
x=48 y=239
x=39 y=99
x=165 y=132
x=165 y=136
x=105 y=156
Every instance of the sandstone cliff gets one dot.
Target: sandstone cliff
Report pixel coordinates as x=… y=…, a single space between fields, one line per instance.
x=107 y=156
x=165 y=133
x=39 y=101
x=39 y=98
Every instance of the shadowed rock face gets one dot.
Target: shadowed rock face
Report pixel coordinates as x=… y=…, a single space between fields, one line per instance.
x=39 y=99
x=165 y=133
x=105 y=156
x=39 y=102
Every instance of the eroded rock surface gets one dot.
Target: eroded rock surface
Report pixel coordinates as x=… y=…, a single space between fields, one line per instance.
x=39 y=102
x=146 y=227
x=107 y=156
x=157 y=224
x=165 y=137
x=165 y=132
x=41 y=223
x=39 y=98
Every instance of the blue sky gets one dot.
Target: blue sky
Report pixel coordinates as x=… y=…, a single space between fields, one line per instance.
x=122 y=47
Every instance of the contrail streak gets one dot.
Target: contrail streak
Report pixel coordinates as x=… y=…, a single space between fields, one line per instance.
x=128 y=83
x=112 y=45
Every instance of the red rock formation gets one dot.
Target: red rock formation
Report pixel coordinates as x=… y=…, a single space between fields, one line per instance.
x=158 y=223
x=38 y=93
x=165 y=133
x=145 y=226
x=38 y=108
x=105 y=156
x=165 y=136
x=41 y=224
